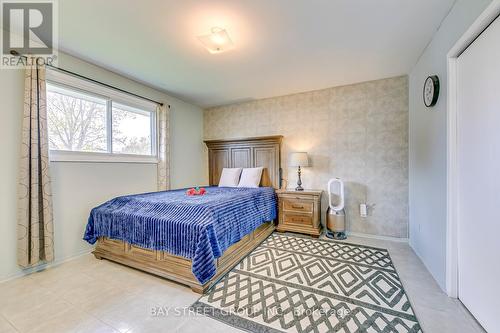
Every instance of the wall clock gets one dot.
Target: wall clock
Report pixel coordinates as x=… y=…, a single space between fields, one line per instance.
x=431 y=91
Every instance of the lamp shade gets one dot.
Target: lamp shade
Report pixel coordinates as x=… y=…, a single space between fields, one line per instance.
x=299 y=159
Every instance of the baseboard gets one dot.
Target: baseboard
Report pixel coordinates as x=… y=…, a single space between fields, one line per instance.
x=42 y=267
x=424 y=262
x=386 y=238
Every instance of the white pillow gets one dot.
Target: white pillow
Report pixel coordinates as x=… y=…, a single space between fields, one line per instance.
x=230 y=177
x=250 y=177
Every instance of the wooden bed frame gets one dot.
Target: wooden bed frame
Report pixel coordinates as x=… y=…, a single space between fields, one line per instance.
x=250 y=152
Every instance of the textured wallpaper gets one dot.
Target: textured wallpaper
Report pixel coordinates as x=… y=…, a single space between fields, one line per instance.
x=357 y=132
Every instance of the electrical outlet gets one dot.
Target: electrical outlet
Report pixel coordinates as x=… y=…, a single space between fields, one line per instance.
x=363 y=210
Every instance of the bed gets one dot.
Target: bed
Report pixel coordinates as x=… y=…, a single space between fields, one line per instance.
x=193 y=240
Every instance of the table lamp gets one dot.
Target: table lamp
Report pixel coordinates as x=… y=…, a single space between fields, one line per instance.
x=299 y=159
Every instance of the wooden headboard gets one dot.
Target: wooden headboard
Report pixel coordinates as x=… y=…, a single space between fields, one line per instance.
x=246 y=153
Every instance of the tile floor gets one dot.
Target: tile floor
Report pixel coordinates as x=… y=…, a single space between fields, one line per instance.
x=89 y=295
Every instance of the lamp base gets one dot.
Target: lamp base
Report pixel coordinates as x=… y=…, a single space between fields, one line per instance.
x=299 y=182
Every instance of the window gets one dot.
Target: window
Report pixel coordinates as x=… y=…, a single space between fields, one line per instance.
x=87 y=122
x=76 y=121
x=131 y=130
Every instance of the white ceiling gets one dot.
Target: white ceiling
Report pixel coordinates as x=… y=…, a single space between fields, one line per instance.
x=281 y=46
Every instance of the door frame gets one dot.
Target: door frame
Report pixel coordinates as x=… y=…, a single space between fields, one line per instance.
x=483 y=21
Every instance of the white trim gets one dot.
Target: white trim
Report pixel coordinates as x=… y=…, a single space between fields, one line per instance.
x=385 y=238
x=42 y=267
x=452 y=177
x=452 y=246
x=75 y=92
x=84 y=157
x=85 y=85
x=109 y=125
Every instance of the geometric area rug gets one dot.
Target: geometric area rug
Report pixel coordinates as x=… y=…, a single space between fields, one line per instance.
x=296 y=284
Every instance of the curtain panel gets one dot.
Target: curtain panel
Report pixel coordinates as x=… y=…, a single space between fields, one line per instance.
x=35 y=218
x=163 y=113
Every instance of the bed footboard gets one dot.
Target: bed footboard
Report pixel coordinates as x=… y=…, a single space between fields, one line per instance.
x=177 y=268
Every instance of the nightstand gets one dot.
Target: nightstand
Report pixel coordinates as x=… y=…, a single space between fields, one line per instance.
x=300 y=211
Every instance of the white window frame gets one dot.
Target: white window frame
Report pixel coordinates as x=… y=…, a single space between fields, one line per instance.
x=67 y=81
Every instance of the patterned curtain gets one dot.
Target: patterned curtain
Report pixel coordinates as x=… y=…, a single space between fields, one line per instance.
x=35 y=223
x=163 y=147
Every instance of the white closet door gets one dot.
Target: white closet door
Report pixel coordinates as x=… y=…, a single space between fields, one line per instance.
x=479 y=178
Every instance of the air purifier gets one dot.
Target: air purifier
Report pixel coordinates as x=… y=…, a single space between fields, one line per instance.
x=335 y=214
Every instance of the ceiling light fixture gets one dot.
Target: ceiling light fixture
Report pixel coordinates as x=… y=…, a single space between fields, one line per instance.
x=217 y=41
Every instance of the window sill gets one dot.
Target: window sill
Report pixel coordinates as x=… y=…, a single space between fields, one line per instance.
x=85 y=157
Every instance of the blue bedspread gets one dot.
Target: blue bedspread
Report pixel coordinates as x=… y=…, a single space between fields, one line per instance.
x=199 y=228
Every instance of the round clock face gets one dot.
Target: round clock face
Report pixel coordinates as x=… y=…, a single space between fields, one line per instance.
x=431 y=91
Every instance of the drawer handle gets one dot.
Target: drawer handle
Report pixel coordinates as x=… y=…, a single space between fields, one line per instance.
x=297 y=207
x=296 y=219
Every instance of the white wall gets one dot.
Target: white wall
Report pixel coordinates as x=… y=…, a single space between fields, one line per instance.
x=78 y=187
x=187 y=164
x=428 y=142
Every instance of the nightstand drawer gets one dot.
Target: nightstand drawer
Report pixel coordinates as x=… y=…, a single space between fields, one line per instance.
x=300 y=211
x=301 y=206
x=297 y=219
